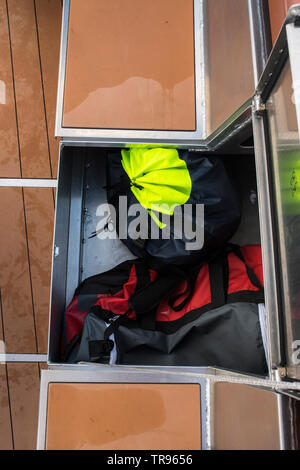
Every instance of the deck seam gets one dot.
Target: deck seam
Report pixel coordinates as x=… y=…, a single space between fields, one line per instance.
x=30 y=273
x=43 y=88
x=6 y=374
x=14 y=87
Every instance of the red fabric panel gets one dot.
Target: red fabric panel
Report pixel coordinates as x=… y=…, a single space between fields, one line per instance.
x=238 y=277
x=118 y=303
x=253 y=257
x=74 y=319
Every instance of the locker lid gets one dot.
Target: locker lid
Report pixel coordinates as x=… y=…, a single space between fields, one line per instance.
x=89 y=408
x=174 y=72
x=277 y=145
x=237 y=410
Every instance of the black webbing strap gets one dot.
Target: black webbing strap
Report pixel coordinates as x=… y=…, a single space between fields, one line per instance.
x=145 y=320
x=217 y=281
x=100 y=349
x=112 y=328
x=143 y=275
x=148 y=298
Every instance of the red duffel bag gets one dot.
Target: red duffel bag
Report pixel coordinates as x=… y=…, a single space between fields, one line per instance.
x=201 y=316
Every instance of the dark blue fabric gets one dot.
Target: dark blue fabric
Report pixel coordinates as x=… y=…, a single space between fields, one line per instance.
x=210 y=186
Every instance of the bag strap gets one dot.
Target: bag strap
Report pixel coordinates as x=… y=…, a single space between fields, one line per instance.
x=147 y=319
x=149 y=297
x=251 y=274
x=218 y=281
x=99 y=350
x=219 y=275
x=144 y=301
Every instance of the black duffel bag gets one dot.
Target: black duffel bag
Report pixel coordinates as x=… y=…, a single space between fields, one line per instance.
x=201 y=316
x=187 y=204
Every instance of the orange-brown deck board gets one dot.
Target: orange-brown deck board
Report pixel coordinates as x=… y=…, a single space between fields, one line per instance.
x=23 y=382
x=9 y=151
x=48 y=16
x=15 y=282
x=32 y=128
x=29 y=44
x=6 y=436
x=39 y=209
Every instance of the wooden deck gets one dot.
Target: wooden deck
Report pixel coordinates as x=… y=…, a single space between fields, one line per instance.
x=29 y=54
x=29 y=45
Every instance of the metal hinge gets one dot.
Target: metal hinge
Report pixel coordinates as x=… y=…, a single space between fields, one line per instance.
x=282 y=372
x=258 y=106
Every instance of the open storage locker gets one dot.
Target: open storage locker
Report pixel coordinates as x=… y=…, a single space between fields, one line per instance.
x=256 y=167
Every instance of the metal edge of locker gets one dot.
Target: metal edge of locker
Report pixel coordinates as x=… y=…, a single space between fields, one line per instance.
x=118 y=375
x=283 y=48
x=119 y=136
x=284 y=428
x=233 y=127
x=205 y=377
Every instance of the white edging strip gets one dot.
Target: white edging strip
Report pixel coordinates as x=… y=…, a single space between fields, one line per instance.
x=28 y=183
x=23 y=358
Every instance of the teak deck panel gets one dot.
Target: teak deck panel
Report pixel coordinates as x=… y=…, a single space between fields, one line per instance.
x=28 y=89
x=9 y=151
x=24 y=381
x=29 y=45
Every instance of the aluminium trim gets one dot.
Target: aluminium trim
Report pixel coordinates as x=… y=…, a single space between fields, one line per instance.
x=215 y=375
x=260 y=33
x=231 y=127
x=280 y=422
x=287 y=46
x=104 y=375
x=122 y=374
x=293 y=39
x=267 y=243
x=5 y=358
x=28 y=183
x=124 y=135
x=209 y=414
x=277 y=58
x=54 y=249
